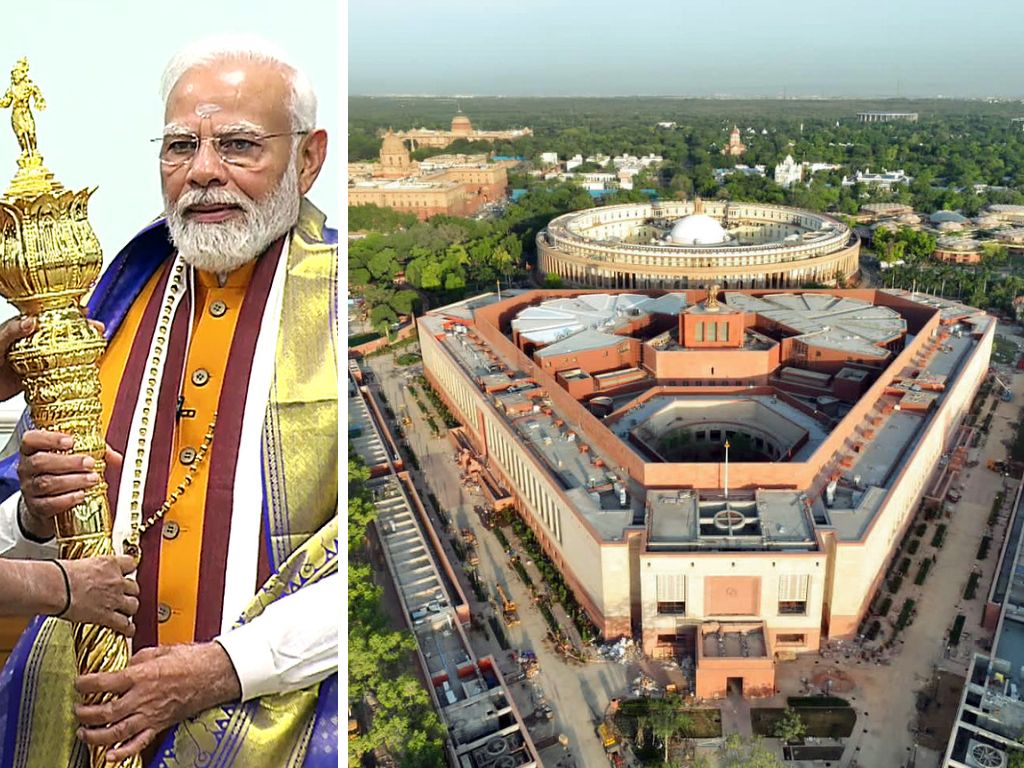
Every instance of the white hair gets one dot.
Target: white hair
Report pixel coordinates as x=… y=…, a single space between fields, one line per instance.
x=246 y=48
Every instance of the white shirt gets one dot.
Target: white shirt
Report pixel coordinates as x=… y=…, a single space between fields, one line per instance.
x=293 y=644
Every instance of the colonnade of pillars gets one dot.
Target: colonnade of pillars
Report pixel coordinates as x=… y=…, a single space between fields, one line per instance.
x=577 y=275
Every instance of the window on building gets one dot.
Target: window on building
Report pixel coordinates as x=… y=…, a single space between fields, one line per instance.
x=791 y=639
x=793 y=594
x=712 y=331
x=723 y=331
x=699 y=331
x=671 y=594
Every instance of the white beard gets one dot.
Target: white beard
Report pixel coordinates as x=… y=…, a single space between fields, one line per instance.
x=223 y=247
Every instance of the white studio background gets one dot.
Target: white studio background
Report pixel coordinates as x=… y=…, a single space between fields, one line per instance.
x=98 y=64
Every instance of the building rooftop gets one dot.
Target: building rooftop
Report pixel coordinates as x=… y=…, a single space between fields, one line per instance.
x=604 y=494
x=362 y=432
x=841 y=323
x=771 y=520
x=401 y=185
x=557 y=319
x=583 y=341
x=735 y=643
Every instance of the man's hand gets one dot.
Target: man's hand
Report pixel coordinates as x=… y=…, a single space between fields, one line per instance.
x=52 y=482
x=160 y=687
x=12 y=330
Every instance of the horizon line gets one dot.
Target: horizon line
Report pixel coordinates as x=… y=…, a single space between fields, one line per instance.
x=711 y=97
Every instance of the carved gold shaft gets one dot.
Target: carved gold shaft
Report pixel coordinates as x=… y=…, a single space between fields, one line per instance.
x=58 y=366
x=49 y=258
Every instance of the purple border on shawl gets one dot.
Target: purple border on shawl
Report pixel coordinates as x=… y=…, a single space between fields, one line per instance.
x=268 y=541
x=322 y=751
x=12 y=684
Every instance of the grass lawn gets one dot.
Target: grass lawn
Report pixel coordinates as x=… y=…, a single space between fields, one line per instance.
x=707 y=722
x=832 y=722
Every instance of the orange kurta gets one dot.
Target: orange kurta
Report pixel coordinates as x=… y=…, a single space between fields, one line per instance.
x=214 y=321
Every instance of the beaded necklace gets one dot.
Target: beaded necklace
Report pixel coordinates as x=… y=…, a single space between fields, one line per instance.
x=132 y=544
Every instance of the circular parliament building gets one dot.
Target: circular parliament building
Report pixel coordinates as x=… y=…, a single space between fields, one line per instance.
x=695 y=243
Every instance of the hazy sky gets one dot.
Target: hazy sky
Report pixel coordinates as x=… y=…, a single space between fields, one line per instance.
x=681 y=47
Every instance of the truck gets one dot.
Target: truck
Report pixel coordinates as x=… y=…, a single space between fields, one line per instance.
x=609 y=738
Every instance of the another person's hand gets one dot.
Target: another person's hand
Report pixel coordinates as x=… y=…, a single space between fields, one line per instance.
x=12 y=330
x=101 y=592
x=160 y=687
x=52 y=482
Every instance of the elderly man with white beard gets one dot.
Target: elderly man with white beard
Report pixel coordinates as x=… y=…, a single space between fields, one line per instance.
x=220 y=393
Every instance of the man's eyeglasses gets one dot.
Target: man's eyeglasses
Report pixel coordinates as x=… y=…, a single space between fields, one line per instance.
x=245 y=150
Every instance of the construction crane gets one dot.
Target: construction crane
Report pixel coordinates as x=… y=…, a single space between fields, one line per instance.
x=1007 y=395
x=509 y=610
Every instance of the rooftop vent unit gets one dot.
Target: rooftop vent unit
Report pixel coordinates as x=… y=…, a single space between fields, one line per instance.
x=496 y=753
x=981 y=755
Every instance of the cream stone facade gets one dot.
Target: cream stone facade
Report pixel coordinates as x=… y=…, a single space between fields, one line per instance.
x=620 y=246
x=450 y=185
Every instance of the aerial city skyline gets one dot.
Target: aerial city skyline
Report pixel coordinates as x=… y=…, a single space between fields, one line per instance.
x=687 y=431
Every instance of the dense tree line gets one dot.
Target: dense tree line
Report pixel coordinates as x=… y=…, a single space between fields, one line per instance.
x=447 y=258
x=955 y=146
x=992 y=284
x=402 y=720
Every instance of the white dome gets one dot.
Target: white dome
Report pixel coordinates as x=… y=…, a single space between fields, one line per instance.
x=698 y=229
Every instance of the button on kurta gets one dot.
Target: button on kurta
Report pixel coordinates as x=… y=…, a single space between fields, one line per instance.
x=171 y=530
x=187 y=455
x=163 y=612
x=200 y=376
x=218 y=308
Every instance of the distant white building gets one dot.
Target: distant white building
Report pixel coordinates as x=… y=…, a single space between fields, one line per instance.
x=596 y=180
x=813 y=168
x=590 y=181
x=601 y=160
x=722 y=173
x=668 y=126
x=886 y=179
x=573 y=162
x=549 y=158
x=627 y=160
x=788 y=172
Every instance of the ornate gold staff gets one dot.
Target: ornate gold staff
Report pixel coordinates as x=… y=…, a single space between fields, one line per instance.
x=49 y=257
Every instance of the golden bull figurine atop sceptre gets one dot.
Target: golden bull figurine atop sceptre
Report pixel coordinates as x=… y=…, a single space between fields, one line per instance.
x=49 y=259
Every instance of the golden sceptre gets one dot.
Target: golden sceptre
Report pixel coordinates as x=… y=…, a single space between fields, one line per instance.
x=49 y=258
